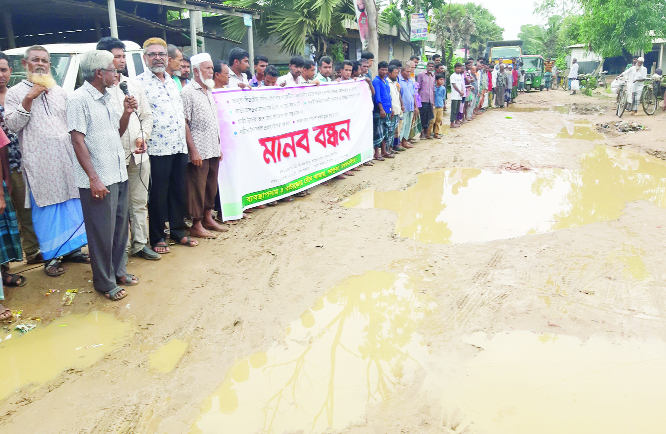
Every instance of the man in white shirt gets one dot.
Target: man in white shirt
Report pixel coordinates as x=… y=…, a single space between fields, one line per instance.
x=239 y=62
x=294 y=76
x=135 y=141
x=573 y=73
x=636 y=76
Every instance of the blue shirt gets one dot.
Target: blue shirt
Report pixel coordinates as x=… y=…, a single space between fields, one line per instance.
x=440 y=95
x=407 y=91
x=382 y=94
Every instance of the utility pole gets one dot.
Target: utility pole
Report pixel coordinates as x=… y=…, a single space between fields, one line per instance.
x=373 y=33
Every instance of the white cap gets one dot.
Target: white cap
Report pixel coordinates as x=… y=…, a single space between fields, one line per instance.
x=198 y=59
x=640 y=59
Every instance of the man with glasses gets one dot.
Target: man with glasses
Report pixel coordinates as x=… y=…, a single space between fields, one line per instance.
x=36 y=112
x=135 y=142
x=167 y=150
x=95 y=128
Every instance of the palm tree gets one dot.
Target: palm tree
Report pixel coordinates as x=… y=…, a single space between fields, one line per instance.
x=295 y=22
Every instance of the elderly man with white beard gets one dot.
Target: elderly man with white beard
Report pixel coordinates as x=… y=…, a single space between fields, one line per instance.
x=167 y=150
x=35 y=110
x=101 y=175
x=203 y=142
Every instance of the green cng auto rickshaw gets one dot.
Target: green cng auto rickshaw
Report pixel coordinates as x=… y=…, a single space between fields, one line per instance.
x=534 y=71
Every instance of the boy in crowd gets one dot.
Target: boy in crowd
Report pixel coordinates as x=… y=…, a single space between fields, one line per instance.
x=440 y=99
x=457 y=90
x=271 y=75
x=260 y=64
x=338 y=71
x=396 y=107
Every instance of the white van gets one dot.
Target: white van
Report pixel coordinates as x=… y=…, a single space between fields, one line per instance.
x=65 y=60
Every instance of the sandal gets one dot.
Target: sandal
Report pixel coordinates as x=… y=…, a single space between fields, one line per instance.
x=301 y=194
x=77 y=257
x=188 y=242
x=116 y=294
x=161 y=245
x=388 y=156
x=133 y=280
x=368 y=163
x=272 y=203
x=38 y=259
x=13 y=280
x=6 y=314
x=380 y=158
x=54 y=265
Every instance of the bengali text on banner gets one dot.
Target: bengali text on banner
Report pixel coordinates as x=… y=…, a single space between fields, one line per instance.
x=279 y=141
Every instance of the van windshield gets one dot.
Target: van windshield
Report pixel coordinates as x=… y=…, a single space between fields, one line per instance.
x=505 y=52
x=59 y=65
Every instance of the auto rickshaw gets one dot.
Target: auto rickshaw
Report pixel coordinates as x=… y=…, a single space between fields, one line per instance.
x=534 y=71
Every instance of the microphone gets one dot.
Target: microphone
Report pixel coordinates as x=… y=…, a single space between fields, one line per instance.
x=123 y=87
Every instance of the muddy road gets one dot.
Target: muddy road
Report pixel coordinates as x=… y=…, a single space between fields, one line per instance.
x=506 y=279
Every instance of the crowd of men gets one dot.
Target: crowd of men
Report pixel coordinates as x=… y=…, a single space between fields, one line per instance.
x=120 y=164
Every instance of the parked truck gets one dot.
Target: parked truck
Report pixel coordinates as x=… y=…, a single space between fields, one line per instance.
x=506 y=50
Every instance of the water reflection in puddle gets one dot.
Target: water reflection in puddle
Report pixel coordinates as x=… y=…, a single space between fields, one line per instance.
x=581 y=130
x=71 y=342
x=562 y=109
x=551 y=384
x=347 y=351
x=471 y=205
x=165 y=358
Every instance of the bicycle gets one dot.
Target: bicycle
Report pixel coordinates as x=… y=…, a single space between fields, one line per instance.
x=649 y=97
x=555 y=82
x=621 y=100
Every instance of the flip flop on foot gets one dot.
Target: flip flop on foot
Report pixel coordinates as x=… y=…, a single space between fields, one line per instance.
x=53 y=268
x=13 y=280
x=388 y=155
x=78 y=257
x=128 y=280
x=188 y=242
x=161 y=247
x=116 y=294
x=368 y=163
x=5 y=314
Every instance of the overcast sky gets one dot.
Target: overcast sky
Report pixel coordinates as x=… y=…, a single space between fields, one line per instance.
x=510 y=14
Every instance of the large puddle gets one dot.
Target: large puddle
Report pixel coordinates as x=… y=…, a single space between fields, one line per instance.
x=71 y=342
x=472 y=205
x=523 y=383
x=346 y=352
x=561 y=109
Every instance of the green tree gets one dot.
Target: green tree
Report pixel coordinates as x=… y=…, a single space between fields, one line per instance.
x=611 y=25
x=486 y=29
x=453 y=27
x=398 y=14
x=295 y=22
x=532 y=36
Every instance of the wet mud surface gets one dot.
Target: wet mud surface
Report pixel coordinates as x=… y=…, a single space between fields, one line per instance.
x=506 y=279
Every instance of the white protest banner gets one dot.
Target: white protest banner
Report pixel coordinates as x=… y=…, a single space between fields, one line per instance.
x=279 y=141
x=419 y=28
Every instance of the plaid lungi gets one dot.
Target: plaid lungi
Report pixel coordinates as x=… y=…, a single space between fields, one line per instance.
x=10 y=247
x=380 y=129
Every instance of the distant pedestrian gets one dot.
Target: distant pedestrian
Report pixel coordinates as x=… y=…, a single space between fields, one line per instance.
x=573 y=73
